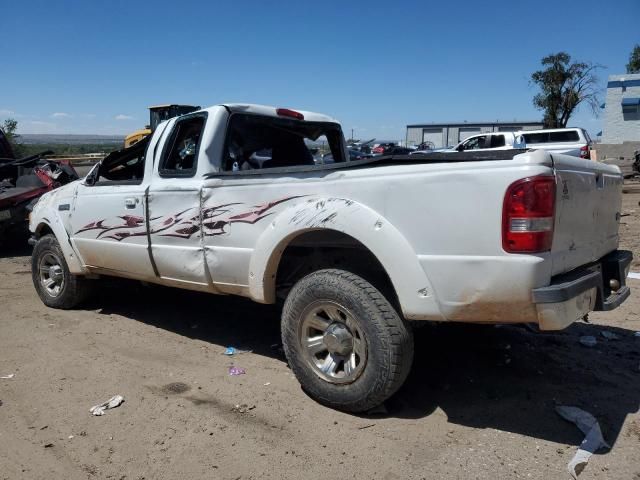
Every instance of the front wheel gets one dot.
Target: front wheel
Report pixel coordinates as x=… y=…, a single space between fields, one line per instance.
x=57 y=287
x=345 y=343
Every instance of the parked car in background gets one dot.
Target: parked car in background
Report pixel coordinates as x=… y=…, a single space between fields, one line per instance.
x=353 y=155
x=22 y=182
x=491 y=141
x=396 y=150
x=381 y=147
x=570 y=141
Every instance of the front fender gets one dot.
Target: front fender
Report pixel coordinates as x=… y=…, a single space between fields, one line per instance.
x=48 y=215
x=390 y=247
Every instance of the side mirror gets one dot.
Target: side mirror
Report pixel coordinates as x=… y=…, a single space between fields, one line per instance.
x=460 y=148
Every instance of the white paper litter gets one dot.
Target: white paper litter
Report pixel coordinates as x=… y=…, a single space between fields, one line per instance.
x=593 y=440
x=8 y=377
x=113 y=402
x=634 y=275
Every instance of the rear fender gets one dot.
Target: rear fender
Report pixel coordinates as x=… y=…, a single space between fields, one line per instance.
x=395 y=254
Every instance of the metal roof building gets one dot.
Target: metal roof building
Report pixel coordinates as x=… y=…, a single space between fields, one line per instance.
x=450 y=134
x=622 y=109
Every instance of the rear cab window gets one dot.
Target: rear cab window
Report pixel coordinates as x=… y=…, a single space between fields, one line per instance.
x=258 y=142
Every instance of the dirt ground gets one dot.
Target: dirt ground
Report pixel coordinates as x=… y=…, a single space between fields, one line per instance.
x=479 y=402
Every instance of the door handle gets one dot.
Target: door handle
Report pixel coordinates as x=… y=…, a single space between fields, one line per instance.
x=131 y=202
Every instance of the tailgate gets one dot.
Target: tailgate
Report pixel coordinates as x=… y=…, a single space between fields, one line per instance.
x=588 y=202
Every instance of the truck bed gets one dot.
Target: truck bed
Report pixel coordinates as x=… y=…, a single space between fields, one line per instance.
x=385 y=160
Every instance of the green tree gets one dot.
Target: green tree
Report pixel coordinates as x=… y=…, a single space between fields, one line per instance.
x=563 y=86
x=634 y=60
x=10 y=129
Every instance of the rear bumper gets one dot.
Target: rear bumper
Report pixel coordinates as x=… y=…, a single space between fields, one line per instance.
x=572 y=295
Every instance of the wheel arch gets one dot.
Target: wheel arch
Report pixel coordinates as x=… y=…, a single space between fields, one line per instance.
x=45 y=227
x=343 y=218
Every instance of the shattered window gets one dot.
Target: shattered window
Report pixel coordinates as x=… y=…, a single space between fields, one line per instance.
x=260 y=142
x=181 y=155
x=123 y=166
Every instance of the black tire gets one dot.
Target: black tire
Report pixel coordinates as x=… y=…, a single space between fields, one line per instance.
x=387 y=336
x=73 y=288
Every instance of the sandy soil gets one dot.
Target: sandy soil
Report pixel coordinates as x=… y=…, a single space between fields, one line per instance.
x=479 y=402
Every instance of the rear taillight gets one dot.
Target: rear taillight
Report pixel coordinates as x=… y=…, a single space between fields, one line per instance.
x=584 y=152
x=528 y=215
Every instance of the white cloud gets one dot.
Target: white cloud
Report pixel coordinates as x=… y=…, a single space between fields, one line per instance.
x=60 y=115
x=123 y=117
x=89 y=115
x=4 y=111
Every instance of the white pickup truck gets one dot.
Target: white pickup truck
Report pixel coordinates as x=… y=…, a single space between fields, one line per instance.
x=569 y=141
x=229 y=200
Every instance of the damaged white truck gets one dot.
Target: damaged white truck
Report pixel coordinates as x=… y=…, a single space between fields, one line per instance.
x=230 y=200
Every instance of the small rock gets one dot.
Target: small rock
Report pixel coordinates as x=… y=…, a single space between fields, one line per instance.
x=588 y=341
x=609 y=335
x=243 y=408
x=48 y=445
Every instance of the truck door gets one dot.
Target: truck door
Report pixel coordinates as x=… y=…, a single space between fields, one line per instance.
x=107 y=222
x=174 y=205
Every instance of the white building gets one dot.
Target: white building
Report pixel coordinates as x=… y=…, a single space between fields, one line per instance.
x=622 y=109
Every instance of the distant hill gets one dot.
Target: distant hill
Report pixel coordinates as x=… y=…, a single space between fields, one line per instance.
x=48 y=139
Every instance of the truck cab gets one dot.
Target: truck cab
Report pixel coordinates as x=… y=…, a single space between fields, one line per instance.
x=491 y=141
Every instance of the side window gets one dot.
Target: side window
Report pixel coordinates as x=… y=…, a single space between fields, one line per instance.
x=564 y=136
x=536 y=137
x=475 y=143
x=180 y=155
x=497 y=141
x=123 y=167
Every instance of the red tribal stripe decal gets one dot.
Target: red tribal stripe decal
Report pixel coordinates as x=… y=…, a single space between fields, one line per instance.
x=215 y=221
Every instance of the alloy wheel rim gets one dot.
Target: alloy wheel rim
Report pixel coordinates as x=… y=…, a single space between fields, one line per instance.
x=51 y=274
x=333 y=342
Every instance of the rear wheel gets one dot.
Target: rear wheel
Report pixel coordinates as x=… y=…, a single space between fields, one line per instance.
x=345 y=343
x=57 y=287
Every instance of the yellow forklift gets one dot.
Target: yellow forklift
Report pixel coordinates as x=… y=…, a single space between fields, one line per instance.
x=158 y=114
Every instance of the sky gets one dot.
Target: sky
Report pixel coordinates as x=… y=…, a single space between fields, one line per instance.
x=94 y=67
